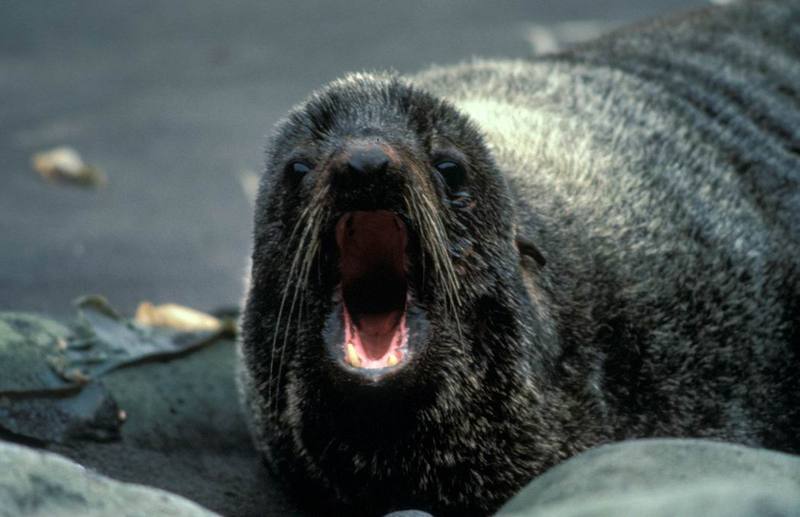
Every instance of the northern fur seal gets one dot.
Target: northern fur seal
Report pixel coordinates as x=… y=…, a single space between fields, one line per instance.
x=464 y=277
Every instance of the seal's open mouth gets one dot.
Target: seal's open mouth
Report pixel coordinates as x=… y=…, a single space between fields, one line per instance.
x=374 y=288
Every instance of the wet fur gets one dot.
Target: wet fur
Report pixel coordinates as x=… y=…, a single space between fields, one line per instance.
x=630 y=267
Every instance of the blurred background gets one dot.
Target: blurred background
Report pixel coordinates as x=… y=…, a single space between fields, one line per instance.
x=172 y=102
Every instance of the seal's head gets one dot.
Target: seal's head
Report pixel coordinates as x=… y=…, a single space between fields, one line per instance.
x=384 y=329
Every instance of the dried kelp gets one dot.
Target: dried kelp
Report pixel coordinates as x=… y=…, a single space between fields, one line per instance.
x=49 y=389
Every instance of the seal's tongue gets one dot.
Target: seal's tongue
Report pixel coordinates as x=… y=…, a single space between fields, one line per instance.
x=372 y=254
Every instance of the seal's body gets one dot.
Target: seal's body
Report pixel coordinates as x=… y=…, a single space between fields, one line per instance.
x=463 y=278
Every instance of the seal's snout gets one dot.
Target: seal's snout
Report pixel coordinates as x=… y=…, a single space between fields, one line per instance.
x=365 y=175
x=367 y=159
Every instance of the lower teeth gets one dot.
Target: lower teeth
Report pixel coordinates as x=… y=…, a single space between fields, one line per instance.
x=352 y=355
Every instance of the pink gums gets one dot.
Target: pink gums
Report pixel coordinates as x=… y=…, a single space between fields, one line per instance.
x=372 y=337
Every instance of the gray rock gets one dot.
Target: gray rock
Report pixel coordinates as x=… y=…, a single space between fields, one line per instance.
x=36 y=483
x=27 y=345
x=655 y=478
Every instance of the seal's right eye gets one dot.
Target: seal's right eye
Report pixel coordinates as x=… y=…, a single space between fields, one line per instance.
x=299 y=167
x=452 y=172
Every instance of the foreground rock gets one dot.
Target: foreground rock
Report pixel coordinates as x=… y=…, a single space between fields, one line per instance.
x=41 y=483
x=184 y=433
x=661 y=478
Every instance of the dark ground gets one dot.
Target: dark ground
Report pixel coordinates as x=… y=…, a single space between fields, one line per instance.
x=172 y=100
x=185 y=433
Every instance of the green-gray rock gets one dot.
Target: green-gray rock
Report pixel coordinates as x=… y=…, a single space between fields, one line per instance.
x=35 y=483
x=28 y=343
x=89 y=414
x=660 y=478
x=49 y=390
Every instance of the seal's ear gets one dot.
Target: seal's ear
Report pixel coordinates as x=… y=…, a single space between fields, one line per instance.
x=529 y=249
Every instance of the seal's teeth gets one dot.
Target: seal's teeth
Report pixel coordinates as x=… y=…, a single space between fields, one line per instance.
x=352 y=355
x=392 y=361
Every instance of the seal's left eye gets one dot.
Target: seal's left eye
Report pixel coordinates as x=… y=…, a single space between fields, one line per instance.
x=452 y=172
x=299 y=167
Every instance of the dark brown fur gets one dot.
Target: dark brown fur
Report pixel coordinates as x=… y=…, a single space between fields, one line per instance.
x=622 y=261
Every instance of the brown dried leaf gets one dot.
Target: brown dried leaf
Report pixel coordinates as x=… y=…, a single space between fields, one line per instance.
x=65 y=164
x=176 y=317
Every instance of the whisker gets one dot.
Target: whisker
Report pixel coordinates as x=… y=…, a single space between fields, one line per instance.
x=434 y=240
x=310 y=232
x=285 y=294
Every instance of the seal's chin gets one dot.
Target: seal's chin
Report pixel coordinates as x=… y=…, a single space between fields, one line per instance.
x=374 y=290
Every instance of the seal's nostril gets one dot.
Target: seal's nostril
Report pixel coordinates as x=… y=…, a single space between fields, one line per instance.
x=366 y=175
x=368 y=161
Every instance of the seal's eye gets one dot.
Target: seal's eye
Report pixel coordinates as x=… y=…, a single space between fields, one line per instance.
x=452 y=172
x=299 y=167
